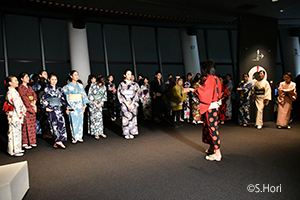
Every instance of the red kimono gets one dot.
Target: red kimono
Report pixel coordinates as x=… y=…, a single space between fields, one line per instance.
x=208 y=93
x=222 y=109
x=29 y=125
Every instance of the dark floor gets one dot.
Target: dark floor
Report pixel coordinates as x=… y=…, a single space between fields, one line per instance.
x=167 y=163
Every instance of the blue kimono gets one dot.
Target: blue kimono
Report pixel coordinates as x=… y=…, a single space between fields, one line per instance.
x=245 y=102
x=54 y=99
x=76 y=98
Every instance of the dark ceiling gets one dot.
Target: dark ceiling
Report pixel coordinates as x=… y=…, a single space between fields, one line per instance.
x=185 y=11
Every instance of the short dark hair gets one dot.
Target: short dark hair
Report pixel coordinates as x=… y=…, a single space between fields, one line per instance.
x=208 y=66
x=90 y=77
x=289 y=74
x=101 y=80
x=245 y=74
x=157 y=72
x=41 y=71
x=263 y=71
x=51 y=74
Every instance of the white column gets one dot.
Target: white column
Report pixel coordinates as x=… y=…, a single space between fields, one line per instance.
x=291 y=52
x=79 y=53
x=190 y=52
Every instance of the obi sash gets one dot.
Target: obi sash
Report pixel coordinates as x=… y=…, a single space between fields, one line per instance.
x=75 y=97
x=31 y=98
x=259 y=91
x=98 y=97
x=54 y=101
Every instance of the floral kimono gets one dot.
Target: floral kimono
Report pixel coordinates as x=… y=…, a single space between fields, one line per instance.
x=54 y=99
x=129 y=91
x=195 y=108
x=146 y=101
x=15 y=114
x=186 y=103
x=29 y=124
x=96 y=94
x=111 y=97
x=245 y=101
x=229 y=100
x=76 y=98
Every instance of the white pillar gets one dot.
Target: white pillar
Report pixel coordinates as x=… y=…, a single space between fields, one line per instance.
x=291 y=52
x=79 y=53
x=190 y=52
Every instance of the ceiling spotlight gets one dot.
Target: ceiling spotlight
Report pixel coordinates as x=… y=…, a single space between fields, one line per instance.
x=274 y=0
x=281 y=10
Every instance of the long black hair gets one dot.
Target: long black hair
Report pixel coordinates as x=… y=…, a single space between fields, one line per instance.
x=208 y=66
x=7 y=81
x=22 y=75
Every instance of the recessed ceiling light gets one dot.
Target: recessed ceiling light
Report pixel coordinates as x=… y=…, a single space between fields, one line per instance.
x=274 y=0
x=281 y=10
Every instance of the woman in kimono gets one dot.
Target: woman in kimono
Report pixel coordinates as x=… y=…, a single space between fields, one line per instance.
x=244 y=93
x=224 y=97
x=128 y=95
x=177 y=98
x=97 y=96
x=111 y=97
x=52 y=101
x=77 y=99
x=209 y=95
x=229 y=99
x=286 y=95
x=195 y=107
x=187 y=102
x=146 y=99
x=15 y=111
x=29 y=99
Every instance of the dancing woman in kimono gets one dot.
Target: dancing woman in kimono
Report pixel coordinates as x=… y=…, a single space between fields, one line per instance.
x=146 y=99
x=97 y=96
x=287 y=94
x=52 y=101
x=15 y=111
x=209 y=95
x=187 y=103
x=29 y=99
x=111 y=97
x=77 y=99
x=128 y=95
x=244 y=93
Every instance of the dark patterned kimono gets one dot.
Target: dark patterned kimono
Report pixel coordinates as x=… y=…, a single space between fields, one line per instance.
x=29 y=125
x=129 y=91
x=111 y=98
x=245 y=102
x=54 y=99
x=96 y=94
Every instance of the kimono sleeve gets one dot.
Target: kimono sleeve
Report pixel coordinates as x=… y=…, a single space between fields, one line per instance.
x=205 y=93
x=90 y=94
x=45 y=99
x=136 y=94
x=104 y=94
x=19 y=107
x=25 y=99
x=63 y=98
x=268 y=91
x=83 y=93
x=176 y=96
x=119 y=93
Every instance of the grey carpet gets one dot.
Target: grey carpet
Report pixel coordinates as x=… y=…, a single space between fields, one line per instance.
x=166 y=163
